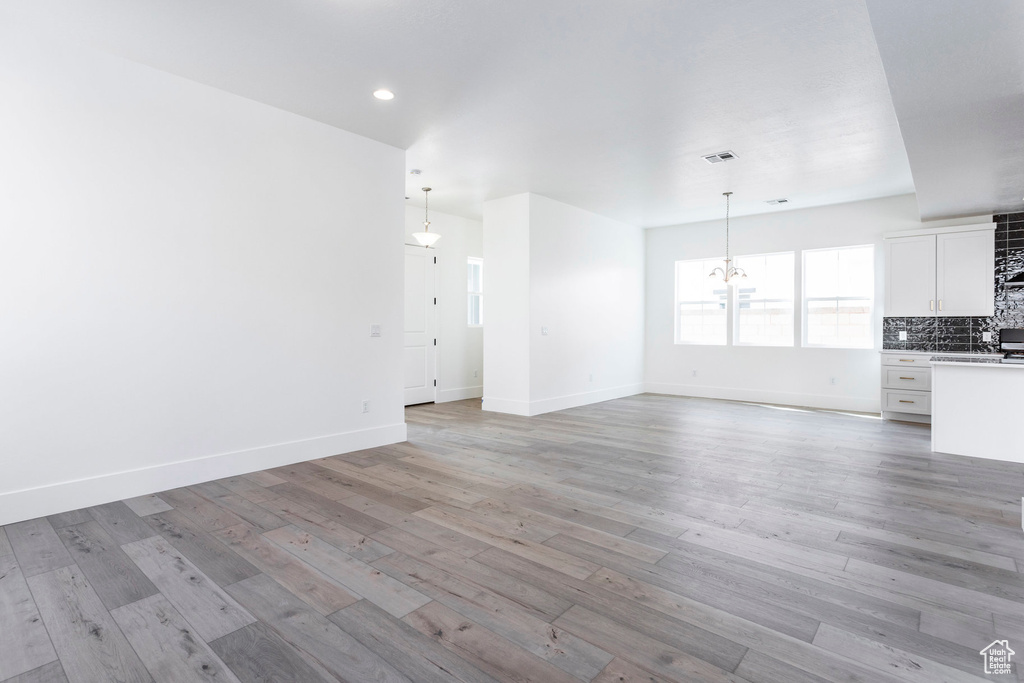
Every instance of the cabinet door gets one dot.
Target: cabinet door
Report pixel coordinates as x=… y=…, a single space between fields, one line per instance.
x=910 y=276
x=965 y=279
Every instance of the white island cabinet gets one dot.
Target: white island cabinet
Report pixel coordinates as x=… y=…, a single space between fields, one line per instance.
x=976 y=409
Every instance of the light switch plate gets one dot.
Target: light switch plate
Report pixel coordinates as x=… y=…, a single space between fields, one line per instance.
x=374 y=330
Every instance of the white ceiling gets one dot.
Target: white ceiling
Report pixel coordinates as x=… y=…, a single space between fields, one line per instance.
x=604 y=104
x=956 y=72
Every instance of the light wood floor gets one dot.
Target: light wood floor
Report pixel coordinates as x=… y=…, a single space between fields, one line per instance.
x=643 y=539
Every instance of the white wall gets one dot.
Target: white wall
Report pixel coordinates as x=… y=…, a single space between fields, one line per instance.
x=506 y=240
x=792 y=375
x=577 y=274
x=587 y=289
x=187 y=281
x=460 y=348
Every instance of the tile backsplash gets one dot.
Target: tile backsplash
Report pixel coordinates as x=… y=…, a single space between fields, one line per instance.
x=964 y=335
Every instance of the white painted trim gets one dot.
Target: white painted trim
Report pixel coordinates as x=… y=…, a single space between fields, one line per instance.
x=506 y=405
x=460 y=394
x=785 y=398
x=939 y=230
x=16 y=506
x=547 y=405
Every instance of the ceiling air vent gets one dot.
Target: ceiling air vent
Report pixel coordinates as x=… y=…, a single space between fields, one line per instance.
x=777 y=201
x=719 y=158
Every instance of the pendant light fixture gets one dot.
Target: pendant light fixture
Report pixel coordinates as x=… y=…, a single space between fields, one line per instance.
x=729 y=274
x=426 y=238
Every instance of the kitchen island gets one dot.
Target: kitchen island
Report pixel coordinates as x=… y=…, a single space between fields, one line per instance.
x=977 y=407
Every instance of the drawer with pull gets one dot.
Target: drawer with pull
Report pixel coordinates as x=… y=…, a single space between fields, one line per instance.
x=915 y=379
x=906 y=360
x=907 y=401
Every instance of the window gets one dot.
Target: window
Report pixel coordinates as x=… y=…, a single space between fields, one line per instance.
x=764 y=300
x=475 y=279
x=839 y=295
x=700 y=303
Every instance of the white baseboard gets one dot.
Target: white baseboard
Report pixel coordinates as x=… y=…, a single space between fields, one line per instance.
x=460 y=394
x=506 y=405
x=547 y=405
x=786 y=398
x=17 y=506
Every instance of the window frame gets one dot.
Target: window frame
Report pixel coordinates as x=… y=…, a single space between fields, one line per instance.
x=479 y=262
x=805 y=300
x=736 y=305
x=677 y=303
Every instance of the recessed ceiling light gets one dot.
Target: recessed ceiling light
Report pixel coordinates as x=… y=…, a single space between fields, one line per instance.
x=383 y=94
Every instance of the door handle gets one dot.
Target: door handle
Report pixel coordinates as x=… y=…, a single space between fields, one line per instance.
x=940 y=304
x=931 y=305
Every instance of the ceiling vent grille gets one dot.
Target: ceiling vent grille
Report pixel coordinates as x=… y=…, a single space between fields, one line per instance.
x=777 y=201
x=719 y=158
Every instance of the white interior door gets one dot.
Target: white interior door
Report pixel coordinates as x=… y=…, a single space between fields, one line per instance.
x=420 y=338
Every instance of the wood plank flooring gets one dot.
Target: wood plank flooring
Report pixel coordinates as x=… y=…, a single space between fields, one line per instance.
x=649 y=538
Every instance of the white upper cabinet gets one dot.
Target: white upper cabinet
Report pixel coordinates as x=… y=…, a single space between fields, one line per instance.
x=965 y=273
x=910 y=276
x=946 y=272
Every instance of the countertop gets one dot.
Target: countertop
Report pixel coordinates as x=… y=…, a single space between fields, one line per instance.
x=978 y=360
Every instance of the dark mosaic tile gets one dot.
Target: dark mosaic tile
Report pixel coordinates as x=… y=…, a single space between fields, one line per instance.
x=894 y=324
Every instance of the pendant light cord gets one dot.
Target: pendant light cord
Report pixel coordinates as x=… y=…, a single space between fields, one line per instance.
x=426 y=210
x=727 y=194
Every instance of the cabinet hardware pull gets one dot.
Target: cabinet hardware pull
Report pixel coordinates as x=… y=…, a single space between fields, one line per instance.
x=906 y=360
x=902 y=401
x=940 y=304
x=931 y=305
x=910 y=378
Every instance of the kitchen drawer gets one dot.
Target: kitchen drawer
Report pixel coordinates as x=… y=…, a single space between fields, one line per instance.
x=906 y=360
x=915 y=379
x=907 y=401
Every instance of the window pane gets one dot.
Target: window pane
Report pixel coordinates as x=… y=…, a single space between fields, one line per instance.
x=856 y=271
x=475 y=276
x=765 y=300
x=840 y=288
x=700 y=302
x=821 y=273
x=475 y=317
x=765 y=323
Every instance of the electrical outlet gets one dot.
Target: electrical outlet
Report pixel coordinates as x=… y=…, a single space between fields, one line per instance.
x=544 y=331
x=986 y=336
x=835 y=380
x=694 y=372
x=591 y=377
x=366 y=405
x=903 y=335
x=476 y=373
x=374 y=331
